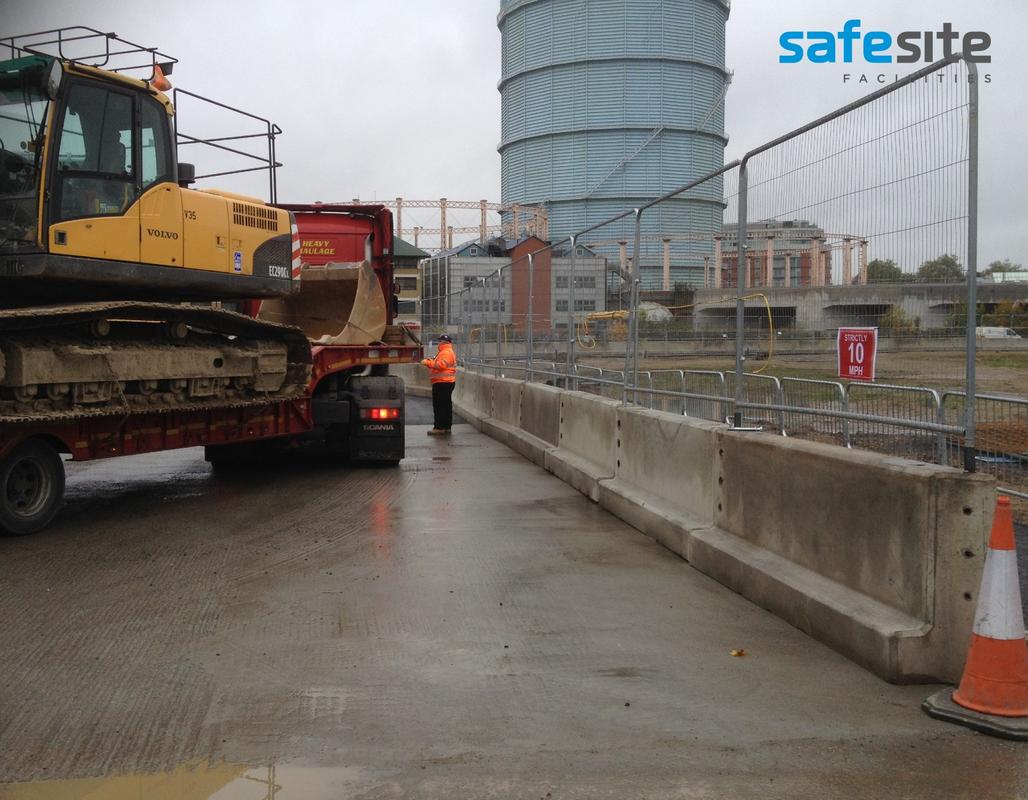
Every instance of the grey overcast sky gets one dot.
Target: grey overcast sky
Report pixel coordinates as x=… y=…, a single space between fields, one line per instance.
x=398 y=97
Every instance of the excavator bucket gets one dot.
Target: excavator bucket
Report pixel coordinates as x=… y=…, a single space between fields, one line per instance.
x=337 y=304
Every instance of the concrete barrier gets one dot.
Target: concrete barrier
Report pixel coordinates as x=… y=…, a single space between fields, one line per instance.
x=504 y=418
x=664 y=479
x=586 y=451
x=483 y=399
x=540 y=422
x=415 y=378
x=524 y=416
x=472 y=397
x=878 y=557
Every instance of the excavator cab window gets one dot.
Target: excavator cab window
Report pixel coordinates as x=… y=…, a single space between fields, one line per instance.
x=23 y=110
x=95 y=167
x=155 y=144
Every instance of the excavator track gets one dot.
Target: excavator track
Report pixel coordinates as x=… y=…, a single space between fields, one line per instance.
x=60 y=363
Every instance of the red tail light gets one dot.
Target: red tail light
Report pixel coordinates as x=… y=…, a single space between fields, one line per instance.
x=380 y=413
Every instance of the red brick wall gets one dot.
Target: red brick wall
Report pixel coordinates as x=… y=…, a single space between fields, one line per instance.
x=542 y=285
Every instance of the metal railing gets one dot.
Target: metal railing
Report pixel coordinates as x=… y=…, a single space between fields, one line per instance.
x=912 y=422
x=915 y=421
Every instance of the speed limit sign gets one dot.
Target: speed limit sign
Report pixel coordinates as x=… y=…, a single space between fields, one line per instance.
x=858 y=352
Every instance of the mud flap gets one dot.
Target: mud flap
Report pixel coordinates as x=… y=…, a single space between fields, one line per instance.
x=374 y=440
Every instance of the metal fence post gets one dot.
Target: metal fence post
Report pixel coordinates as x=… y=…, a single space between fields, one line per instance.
x=500 y=286
x=740 y=303
x=970 y=460
x=466 y=327
x=481 y=328
x=445 y=305
x=632 y=343
x=845 y=422
x=530 y=328
x=941 y=457
x=780 y=399
x=570 y=381
x=423 y=268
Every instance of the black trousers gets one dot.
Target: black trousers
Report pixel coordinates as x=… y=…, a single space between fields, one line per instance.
x=442 y=405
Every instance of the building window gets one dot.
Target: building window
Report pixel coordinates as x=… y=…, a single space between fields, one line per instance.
x=469 y=281
x=585 y=305
x=562 y=305
x=581 y=282
x=407 y=307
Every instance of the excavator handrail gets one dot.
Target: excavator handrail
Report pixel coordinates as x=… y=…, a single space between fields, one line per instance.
x=266 y=161
x=75 y=44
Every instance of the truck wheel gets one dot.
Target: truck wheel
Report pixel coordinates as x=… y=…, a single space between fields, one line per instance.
x=31 y=488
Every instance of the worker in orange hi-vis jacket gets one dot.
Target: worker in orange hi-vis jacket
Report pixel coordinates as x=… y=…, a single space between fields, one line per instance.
x=443 y=371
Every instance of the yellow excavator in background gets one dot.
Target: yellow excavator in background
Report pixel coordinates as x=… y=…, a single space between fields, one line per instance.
x=615 y=323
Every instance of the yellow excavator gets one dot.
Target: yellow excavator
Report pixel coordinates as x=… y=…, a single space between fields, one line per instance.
x=91 y=189
x=109 y=259
x=615 y=323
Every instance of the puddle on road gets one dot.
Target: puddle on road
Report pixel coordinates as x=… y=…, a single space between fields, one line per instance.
x=199 y=782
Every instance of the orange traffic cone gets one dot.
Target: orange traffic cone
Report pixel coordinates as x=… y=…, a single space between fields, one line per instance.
x=993 y=692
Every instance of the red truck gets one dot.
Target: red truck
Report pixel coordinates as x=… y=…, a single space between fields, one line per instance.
x=352 y=405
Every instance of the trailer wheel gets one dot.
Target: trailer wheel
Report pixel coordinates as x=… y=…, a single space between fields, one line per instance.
x=31 y=488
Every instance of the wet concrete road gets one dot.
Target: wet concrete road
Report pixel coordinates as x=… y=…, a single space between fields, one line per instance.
x=463 y=626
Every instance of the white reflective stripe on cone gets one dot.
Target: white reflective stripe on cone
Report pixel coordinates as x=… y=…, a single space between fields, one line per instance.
x=999 y=606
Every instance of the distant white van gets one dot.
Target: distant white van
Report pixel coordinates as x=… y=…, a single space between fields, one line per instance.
x=996 y=333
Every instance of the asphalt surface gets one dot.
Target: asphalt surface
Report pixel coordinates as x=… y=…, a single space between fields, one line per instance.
x=465 y=625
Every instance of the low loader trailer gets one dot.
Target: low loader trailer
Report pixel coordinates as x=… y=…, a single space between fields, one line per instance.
x=361 y=417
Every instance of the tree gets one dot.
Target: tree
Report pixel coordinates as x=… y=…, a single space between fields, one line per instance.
x=1006 y=265
x=883 y=271
x=944 y=269
x=1007 y=314
x=895 y=322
